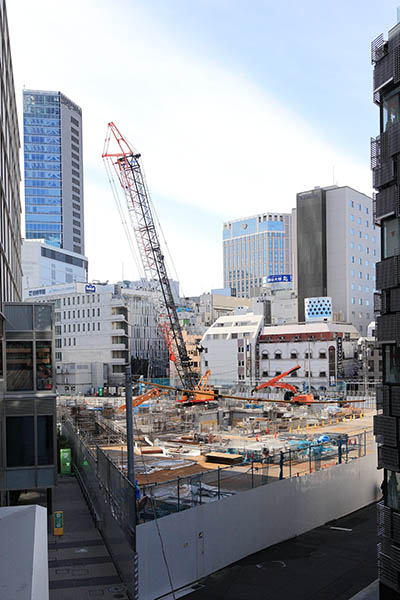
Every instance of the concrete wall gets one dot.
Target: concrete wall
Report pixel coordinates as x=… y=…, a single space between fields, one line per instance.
x=205 y=539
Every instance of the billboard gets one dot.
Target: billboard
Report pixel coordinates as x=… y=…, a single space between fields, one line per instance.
x=318 y=309
x=283 y=278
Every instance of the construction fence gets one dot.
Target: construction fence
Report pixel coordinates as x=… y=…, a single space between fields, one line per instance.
x=301 y=458
x=111 y=499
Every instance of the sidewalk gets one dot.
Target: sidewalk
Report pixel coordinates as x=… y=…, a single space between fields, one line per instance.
x=80 y=566
x=334 y=562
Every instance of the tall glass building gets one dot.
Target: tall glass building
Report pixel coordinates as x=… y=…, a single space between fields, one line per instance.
x=256 y=248
x=53 y=170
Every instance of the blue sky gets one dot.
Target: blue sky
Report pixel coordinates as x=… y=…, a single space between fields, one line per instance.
x=235 y=107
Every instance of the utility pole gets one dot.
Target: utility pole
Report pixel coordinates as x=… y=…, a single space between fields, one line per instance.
x=129 y=423
x=131 y=465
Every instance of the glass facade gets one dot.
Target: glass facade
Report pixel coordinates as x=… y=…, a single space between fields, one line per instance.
x=255 y=248
x=42 y=153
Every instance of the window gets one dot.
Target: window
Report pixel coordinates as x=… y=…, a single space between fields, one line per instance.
x=352 y=203
x=20 y=436
x=293 y=354
x=19 y=364
x=391 y=111
x=206 y=363
x=322 y=354
x=352 y=218
x=359 y=206
x=306 y=355
x=391 y=237
x=278 y=373
x=322 y=373
x=83 y=326
x=278 y=355
x=306 y=374
x=352 y=259
x=391 y=362
x=265 y=373
x=264 y=355
x=59 y=356
x=98 y=326
x=45 y=439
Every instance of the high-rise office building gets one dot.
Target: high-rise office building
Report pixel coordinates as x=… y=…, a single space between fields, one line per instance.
x=385 y=163
x=255 y=248
x=337 y=250
x=53 y=170
x=10 y=205
x=27 y=391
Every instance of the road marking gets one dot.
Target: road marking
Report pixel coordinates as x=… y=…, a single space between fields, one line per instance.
x=340 y=528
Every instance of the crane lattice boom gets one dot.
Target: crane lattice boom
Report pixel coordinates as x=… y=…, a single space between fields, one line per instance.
x=126 y=165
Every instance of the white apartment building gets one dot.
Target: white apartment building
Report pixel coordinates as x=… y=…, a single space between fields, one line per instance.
x=98 y=329
x=230 y=348
x=45 y=265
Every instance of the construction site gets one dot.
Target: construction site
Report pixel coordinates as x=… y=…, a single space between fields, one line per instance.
x=162 y=448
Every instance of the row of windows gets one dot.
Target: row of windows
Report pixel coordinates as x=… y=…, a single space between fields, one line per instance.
x=53 y=173
x=33 y=165
x=52 y=210
x=31 y=192
x=77 y=328
x=45 y=201
x=67 y=314
x=296 y=374
x=42 y=130
x=360 y=261
x=48 y=148
x=41 y=218
x=48 y=157
x=360 y=275
x=293 y=354
x=51 y=182
x=48 y=122
x=359 y=221
x=35 y=227
x=358 y=206
x=43 y=139
x=360 y=301
x=359 y=234
x=68 y=301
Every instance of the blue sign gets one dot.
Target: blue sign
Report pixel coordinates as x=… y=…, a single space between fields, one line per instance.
x=279 y=278
x=89 y=287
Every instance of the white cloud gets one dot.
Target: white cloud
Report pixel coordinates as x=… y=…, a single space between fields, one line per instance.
x=211 y=139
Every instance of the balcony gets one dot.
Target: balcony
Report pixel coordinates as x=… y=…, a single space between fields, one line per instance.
x=388 y=273
x=387 y=202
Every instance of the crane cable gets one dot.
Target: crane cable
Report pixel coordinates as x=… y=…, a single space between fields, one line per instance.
x=164 y=554
x=121 y=211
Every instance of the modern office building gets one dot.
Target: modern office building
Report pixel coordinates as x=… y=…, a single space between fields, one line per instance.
x=385 y=163
x=255 y=248
x=338 y=246
x=45 y=265
x=53 y=170
x=10 y=205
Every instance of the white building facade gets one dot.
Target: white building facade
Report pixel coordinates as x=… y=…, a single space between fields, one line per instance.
x=99 y=328
x=229 y=348
x=325 y=352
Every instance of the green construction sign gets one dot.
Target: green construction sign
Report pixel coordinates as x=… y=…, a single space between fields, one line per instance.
x=65 y=461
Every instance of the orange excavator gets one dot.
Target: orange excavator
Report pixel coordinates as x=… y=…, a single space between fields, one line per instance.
x=199 y=398
x=292 y=394
x=152 y=393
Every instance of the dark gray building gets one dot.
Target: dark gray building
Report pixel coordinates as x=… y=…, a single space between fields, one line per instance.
x=10 y=205
x=385 y=163
x=53 y=170
x=337 y=247
x=28 y=401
